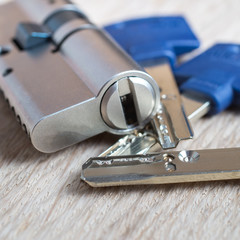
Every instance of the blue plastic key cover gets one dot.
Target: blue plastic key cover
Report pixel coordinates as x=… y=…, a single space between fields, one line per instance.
x=148 y=40
x=214 y=74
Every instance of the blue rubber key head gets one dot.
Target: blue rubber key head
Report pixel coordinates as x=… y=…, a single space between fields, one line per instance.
x=214 y=74
x=148 y=40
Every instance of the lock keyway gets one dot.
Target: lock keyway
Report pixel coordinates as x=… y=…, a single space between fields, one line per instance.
x=128 y=103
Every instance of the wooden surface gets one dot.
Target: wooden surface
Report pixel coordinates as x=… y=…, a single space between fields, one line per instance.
x=42 y=196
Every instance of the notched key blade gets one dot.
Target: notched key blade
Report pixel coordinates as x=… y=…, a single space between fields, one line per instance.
x=132 y=144
x=162 y=168
x=170 y=123
x=109 y=171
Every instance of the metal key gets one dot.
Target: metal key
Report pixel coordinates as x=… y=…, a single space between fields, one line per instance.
x=162 y=168
x=170 y=124
x=141 y=142
x=137 y=143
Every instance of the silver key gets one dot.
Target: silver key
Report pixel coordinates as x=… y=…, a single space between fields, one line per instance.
x=171 y=124
x=164 y=130
x=143 y=141
x=162 y=168
x=132 y=144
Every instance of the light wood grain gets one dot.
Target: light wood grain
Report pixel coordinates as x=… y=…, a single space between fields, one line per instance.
x=42 y=196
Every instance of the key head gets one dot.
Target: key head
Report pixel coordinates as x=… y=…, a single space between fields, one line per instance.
x=215 y=74
x=150 y=39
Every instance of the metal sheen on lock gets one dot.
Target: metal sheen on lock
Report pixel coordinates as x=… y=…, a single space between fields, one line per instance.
x=72 y=85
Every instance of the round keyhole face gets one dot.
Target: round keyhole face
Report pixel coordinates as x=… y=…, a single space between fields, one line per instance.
x=188 y=156
x=128 y=103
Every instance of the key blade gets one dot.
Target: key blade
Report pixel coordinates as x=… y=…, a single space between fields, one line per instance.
x=142 y=143
x=162 y=168
x=139 y=143
x=109 y=171
x=132 y=144
x=170 y=123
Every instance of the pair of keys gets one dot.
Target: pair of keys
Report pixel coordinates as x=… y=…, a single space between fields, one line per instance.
x=209 y=84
